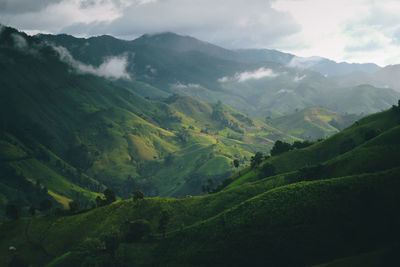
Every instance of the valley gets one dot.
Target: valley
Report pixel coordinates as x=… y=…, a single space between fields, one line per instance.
x=113 y=151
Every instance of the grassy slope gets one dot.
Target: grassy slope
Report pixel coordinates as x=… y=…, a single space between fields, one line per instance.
x=334 y=148
x=53 y=111
x=277 y=220
x=280 y=221
x=310 y=123
x=194 y=68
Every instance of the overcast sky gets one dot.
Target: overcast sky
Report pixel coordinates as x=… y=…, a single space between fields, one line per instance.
x=343 y=30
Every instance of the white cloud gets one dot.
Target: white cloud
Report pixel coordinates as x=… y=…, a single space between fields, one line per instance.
x=250 y=75
x=304 y=62
x=299 y=78
x=186 y=86
x=355 y=31
x=53 y=16
x=19 y=41
x=241 y=23
x=285 y=91
x=111 y=68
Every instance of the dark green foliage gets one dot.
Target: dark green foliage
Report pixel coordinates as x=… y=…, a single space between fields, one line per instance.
x=13 y=211
x=32 y=210
x=138 y=195
x=111 y=241
x=209 y=186
x=169 y=159
x=163 y=222
x=45 y=205
x=267 y=170
x=109 y=195
x=236 y=163
x=301 y=144
x=256 y=159
x=280 y=147
x=136 y=230
x=347 y=145
x=99 y=201
x=80 y=157
x=73 y=206
x=371 y=133
x=16 y=261
x=311 y=173
x=183 y=135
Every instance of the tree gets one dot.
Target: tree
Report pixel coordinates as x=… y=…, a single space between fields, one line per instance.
x=32 y=210
x=267 y=170
x=109 y=196
x=99 y=201
x=13 y=211
x=73 y=206
x=137 y=195
x=162 y=224
x=256 y=159
x=136 y=230
x=280 y=147
x=207 y=188
x=300 y=144
x=45 y=205
x=236 y=163
x=183 y=134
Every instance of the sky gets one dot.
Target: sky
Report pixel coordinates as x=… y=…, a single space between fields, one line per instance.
x=343 y=30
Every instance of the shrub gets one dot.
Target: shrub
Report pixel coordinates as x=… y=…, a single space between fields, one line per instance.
x=136 y=230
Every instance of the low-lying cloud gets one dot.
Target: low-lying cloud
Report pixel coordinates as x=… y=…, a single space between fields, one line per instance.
x=111 y=68
x=186 y=86
x=304 y=62
x=299 y=78
x=250 y=75
x=19 y=41
x=285 y=91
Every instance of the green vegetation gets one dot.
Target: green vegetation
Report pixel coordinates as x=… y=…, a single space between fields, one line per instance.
x=73 y=135
x=168 y=63
x=339 y=206
x=313 y=123
x=79 y=153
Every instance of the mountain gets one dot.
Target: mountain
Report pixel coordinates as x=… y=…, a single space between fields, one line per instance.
x=67 y=132
x=179 y=43
x=313 y=123
x=333 y=201
x=319 y=64
x=385 y=78
x=247 y=80
x=331 y=68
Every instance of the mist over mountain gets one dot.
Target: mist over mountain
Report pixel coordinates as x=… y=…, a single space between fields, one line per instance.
x=257 y=82
x=170 y=151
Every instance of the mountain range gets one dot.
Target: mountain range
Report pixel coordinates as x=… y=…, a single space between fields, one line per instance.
x=258 y=85
x=204 y=156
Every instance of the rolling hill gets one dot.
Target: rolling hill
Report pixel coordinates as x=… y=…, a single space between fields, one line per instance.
x=313 y=123
x=342 y=210
x=259 y=83
x=72 y=134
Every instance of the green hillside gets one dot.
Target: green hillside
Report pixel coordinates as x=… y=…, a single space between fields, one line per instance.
x=313 y=123
x=76 y=134
x=167 y=63
x=328 y=202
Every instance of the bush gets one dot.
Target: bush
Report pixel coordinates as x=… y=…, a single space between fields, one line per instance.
x=371 y=133
x=136 y=230
x=256 y=159
x=280 y=147
x=13 y=211
x=267 y=170
x=137 y=195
